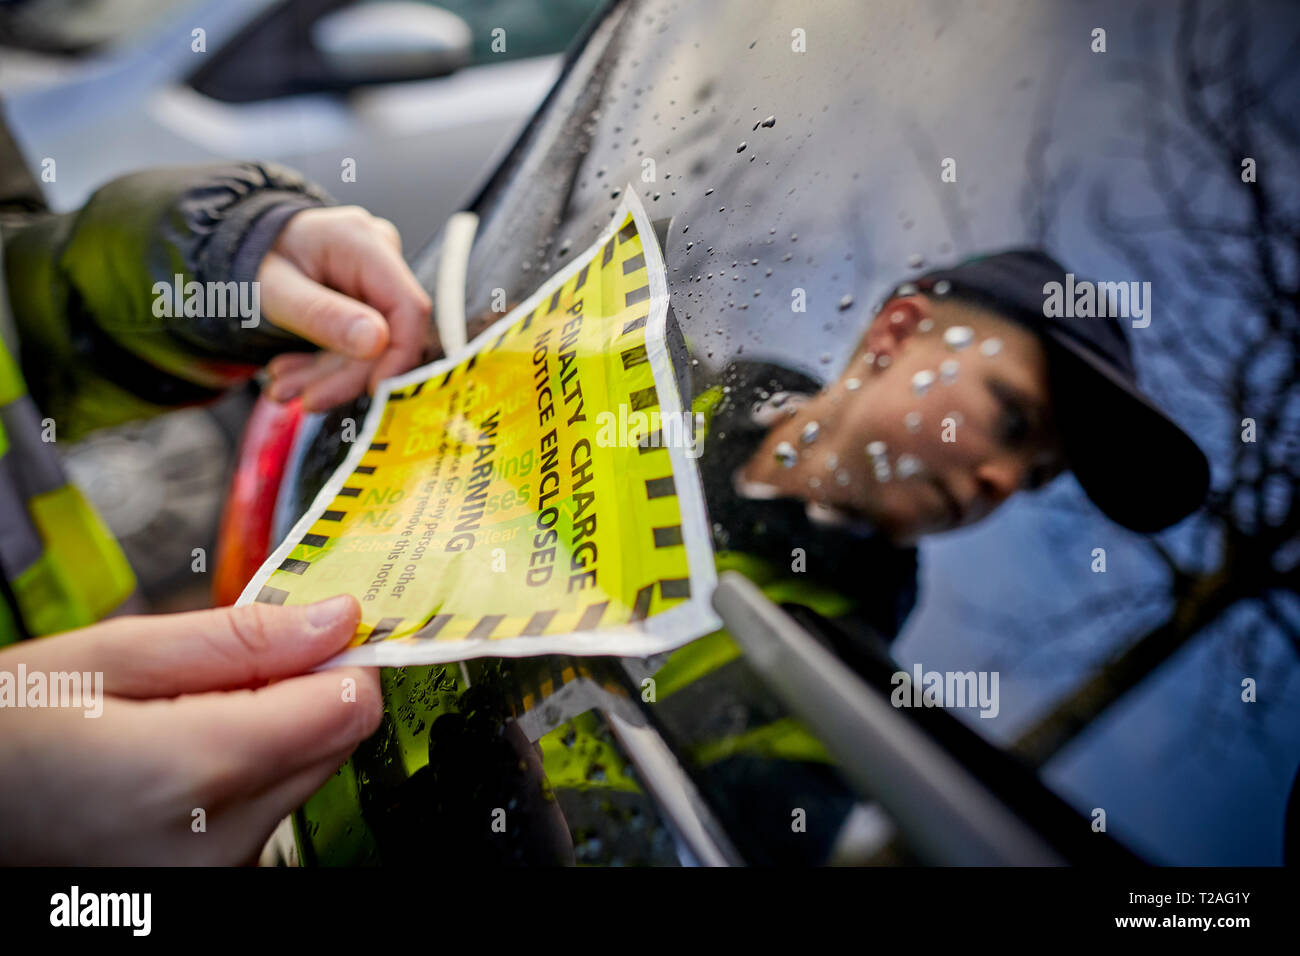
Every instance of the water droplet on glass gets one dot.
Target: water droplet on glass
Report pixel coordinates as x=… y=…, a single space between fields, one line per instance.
x=922 y=381
x=913 y=422
x=907 y=466
x=810 y=433
x=741 y=147
x=786 y=454
x=990 y=347
x=948 y=371
x=845 y=301
x=883 y=361
x=907 y=288
x=957 y=337
x=814 y=482
x=915 y=260
x=769 y=122
x=882 y=470
x=842 y=477
x=925 y=325
x=942 y=287
x=832 y=461
x=853 y=384
x=709 y=191
x=876 y=449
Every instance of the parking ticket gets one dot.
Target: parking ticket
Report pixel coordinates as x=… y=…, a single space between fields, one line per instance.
x=528 y=496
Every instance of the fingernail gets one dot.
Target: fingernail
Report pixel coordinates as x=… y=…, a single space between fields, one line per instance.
x=322 y=614
x=363 y=336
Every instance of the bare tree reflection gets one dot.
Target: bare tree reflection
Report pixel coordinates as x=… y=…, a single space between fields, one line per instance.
x=1223 y=255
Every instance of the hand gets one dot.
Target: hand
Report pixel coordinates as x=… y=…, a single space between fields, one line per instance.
x=336 y=277
x=188 y=722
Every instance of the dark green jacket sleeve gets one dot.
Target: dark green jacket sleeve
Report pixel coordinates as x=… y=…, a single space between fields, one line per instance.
x=95 y=293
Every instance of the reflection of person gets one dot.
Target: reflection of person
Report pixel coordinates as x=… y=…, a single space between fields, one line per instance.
x=959 y=393
x=85 y=344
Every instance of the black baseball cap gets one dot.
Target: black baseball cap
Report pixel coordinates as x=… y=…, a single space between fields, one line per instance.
x=1133 y=461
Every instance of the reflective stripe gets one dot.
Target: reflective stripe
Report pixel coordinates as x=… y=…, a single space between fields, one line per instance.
x=64 y=567
x=40 y=469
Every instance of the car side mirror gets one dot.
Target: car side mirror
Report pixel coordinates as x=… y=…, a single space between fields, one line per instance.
x=390 y=42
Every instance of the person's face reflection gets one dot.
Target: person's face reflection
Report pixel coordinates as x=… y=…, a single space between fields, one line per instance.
x=943 y=413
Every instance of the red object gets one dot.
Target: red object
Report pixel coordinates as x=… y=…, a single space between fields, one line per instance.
x=244 y=540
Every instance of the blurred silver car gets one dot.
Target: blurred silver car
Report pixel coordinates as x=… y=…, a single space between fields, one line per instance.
x=379 y=102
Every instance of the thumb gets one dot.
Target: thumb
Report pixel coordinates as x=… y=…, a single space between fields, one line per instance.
x=222 y=649
x=319 y=314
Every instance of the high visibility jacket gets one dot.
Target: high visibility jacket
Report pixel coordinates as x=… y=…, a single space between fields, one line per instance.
x=82 y=347
x=62 y=565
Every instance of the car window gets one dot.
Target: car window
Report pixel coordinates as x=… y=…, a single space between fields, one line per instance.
x=801 y=166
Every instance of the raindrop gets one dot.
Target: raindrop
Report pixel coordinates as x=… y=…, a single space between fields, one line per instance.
x=769 y=122
x=913 y=422
x=832 y=461
x=845 y=300
x=957 y=337
x=907 y=288
x=882 y=470
x=709 y=191
x=883 y=361
x=869 y=358
x=786 y=454
x=915 y=260
x=925 y=325
x=948 y=371
x=876 y=449
x=922 y=381
x=810 y=433
x=841 y=477
x=942 y=287
x=907 y=466
x=990 y=347
x=853 y=384
x=897 y=318
x=814 y=482
x=741 y=147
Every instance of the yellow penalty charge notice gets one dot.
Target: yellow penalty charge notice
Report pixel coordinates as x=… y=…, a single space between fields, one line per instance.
x=536 y=494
